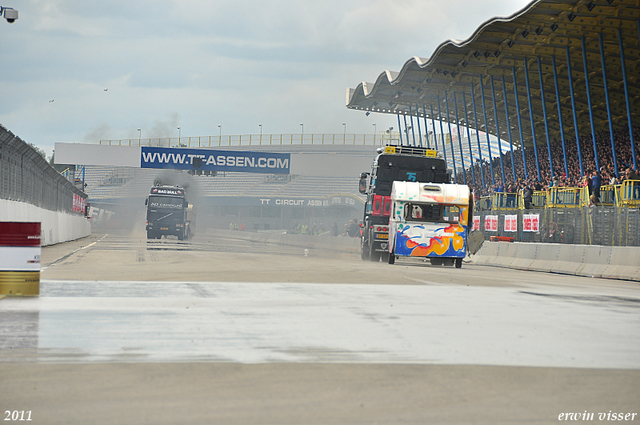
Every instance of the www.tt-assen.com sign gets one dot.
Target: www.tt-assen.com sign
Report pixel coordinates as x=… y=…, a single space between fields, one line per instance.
x=215 y=160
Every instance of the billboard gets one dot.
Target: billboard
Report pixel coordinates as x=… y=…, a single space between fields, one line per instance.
x=215 y=160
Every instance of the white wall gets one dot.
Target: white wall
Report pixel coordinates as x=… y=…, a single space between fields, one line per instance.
x=325 y=160
x=56 y=226
x=87 y=154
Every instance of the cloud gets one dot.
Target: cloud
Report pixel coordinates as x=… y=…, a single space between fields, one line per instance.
x=102 y=132
x=199 y=64
x=162 y=129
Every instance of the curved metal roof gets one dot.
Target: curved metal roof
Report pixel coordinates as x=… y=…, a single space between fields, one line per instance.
x=538 y=39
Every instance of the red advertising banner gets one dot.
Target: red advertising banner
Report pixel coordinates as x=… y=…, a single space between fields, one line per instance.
x=531 y=222
x=476 y=223
x=510 y=223
x=535 y=222
x=78 y=203
x=14 y=233
x=491 y=223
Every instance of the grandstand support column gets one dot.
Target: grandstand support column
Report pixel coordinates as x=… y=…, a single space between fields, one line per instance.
x=586 y=82
x=506 y=114
x=433 y=124
x=426 y=128
x=544 y=114
x=418 y=122
x=608 y=102
x=455 y=108
x=515 y=91
x=495 y=114
x=626 y=98
x=575 y=114
x=466 y=121
x=486 y=129
x=406 y=128
x=533 y=124
x=444 y=145
x=399 y=129
x=475 y=120
x=555 y=81
x=453 y=152
x=413 y=133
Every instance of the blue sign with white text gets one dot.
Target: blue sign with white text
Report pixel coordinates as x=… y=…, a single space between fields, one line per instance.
x=215 y=160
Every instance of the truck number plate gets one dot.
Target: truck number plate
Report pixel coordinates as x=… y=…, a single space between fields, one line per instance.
x=164 y=228
x=382 y=236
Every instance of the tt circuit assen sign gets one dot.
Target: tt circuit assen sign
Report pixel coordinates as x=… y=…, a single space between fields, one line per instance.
x=215 y=160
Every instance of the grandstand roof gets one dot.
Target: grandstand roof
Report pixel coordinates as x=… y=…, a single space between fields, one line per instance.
x=546 y=31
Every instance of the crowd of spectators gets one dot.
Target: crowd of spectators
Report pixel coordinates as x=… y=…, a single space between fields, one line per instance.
x=606 y=174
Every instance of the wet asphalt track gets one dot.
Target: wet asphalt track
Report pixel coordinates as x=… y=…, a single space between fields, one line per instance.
x=118 y=300
x=516 y=324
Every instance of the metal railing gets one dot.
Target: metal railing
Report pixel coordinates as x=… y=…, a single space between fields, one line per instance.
x=261 y=139
x=626 y=194
x=25 y=176
x=563 y=197
x=504 y=201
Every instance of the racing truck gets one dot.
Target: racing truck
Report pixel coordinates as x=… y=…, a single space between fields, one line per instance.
x=393 y=163
x=169 y=213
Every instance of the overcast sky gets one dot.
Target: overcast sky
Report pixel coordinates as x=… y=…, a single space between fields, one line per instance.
x=82 y=71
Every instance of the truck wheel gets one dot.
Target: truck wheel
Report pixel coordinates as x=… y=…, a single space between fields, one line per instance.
x=180 y=237
x=373 y=255
x=392 y=258
x=365 y=252
x=458 y=263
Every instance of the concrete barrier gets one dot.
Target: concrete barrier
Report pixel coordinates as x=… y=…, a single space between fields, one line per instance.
x=55 y=226
x=624 y=264
x=525 y=256
x=582 y=260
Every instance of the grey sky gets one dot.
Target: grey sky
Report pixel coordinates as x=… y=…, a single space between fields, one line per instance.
x=197 y=64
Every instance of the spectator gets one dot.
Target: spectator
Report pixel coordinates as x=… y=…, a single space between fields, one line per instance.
x=353 y=228
x=528 y=197
x=597 y=182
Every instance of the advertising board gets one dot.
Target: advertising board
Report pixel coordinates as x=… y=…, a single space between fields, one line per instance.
x=215 y=160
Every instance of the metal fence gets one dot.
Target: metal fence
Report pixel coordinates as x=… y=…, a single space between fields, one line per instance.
x=262 y=139
x=609 y=226
x=25 y=176
x=626 y=194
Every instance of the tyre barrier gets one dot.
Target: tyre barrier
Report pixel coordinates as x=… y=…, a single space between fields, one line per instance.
x=20 y=253
x=617 y=262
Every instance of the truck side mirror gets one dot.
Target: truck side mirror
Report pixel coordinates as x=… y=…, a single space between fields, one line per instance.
x=362 y=185
x=146 y=201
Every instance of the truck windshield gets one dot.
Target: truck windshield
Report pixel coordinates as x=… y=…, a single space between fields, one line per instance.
x=165 y=203
x=432 y=213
